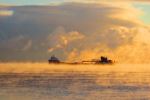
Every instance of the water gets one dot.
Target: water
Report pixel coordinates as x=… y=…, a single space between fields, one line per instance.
x=66 y=82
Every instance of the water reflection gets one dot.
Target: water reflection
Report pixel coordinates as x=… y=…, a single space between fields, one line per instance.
x=75 y=85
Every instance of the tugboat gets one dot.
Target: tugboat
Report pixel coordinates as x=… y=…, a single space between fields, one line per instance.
x=54 y=60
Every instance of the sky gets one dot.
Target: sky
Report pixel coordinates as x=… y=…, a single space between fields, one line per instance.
x=74 y=30
x=30 y=2
x=144 y=7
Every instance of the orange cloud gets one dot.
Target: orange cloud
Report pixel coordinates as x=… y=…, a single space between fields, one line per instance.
x=87 y=31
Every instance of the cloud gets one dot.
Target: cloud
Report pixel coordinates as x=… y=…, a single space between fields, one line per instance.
x=60 y=39
x=6 y=12
x=99 y=1
x=28 y=45
x=74 y=31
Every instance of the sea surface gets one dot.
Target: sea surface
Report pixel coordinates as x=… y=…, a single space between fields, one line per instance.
x=41 y=81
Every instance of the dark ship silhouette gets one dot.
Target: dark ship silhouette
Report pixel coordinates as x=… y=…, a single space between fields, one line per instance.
x=102 y=60
x=54 y=59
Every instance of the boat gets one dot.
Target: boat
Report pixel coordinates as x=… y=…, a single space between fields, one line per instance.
x=102 y=60
x=54 y=59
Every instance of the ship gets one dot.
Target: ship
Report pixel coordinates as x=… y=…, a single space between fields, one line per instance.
x=102 y=60
x=54 y=60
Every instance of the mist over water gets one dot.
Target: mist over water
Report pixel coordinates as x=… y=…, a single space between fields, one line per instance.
x=41 y=81
x=76 y=31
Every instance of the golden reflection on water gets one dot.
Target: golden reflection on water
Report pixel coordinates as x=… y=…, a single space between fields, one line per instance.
x=41 y=81
x=46 y=68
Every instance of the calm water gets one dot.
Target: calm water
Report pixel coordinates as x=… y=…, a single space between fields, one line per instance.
x=53 y=82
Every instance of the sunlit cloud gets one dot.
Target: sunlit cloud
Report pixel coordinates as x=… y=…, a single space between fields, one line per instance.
x=75 y=31
x=6 y=12
x=60 y=39
x=108 y=1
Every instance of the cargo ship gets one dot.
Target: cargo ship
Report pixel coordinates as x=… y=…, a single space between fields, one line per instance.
x=102 y=60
